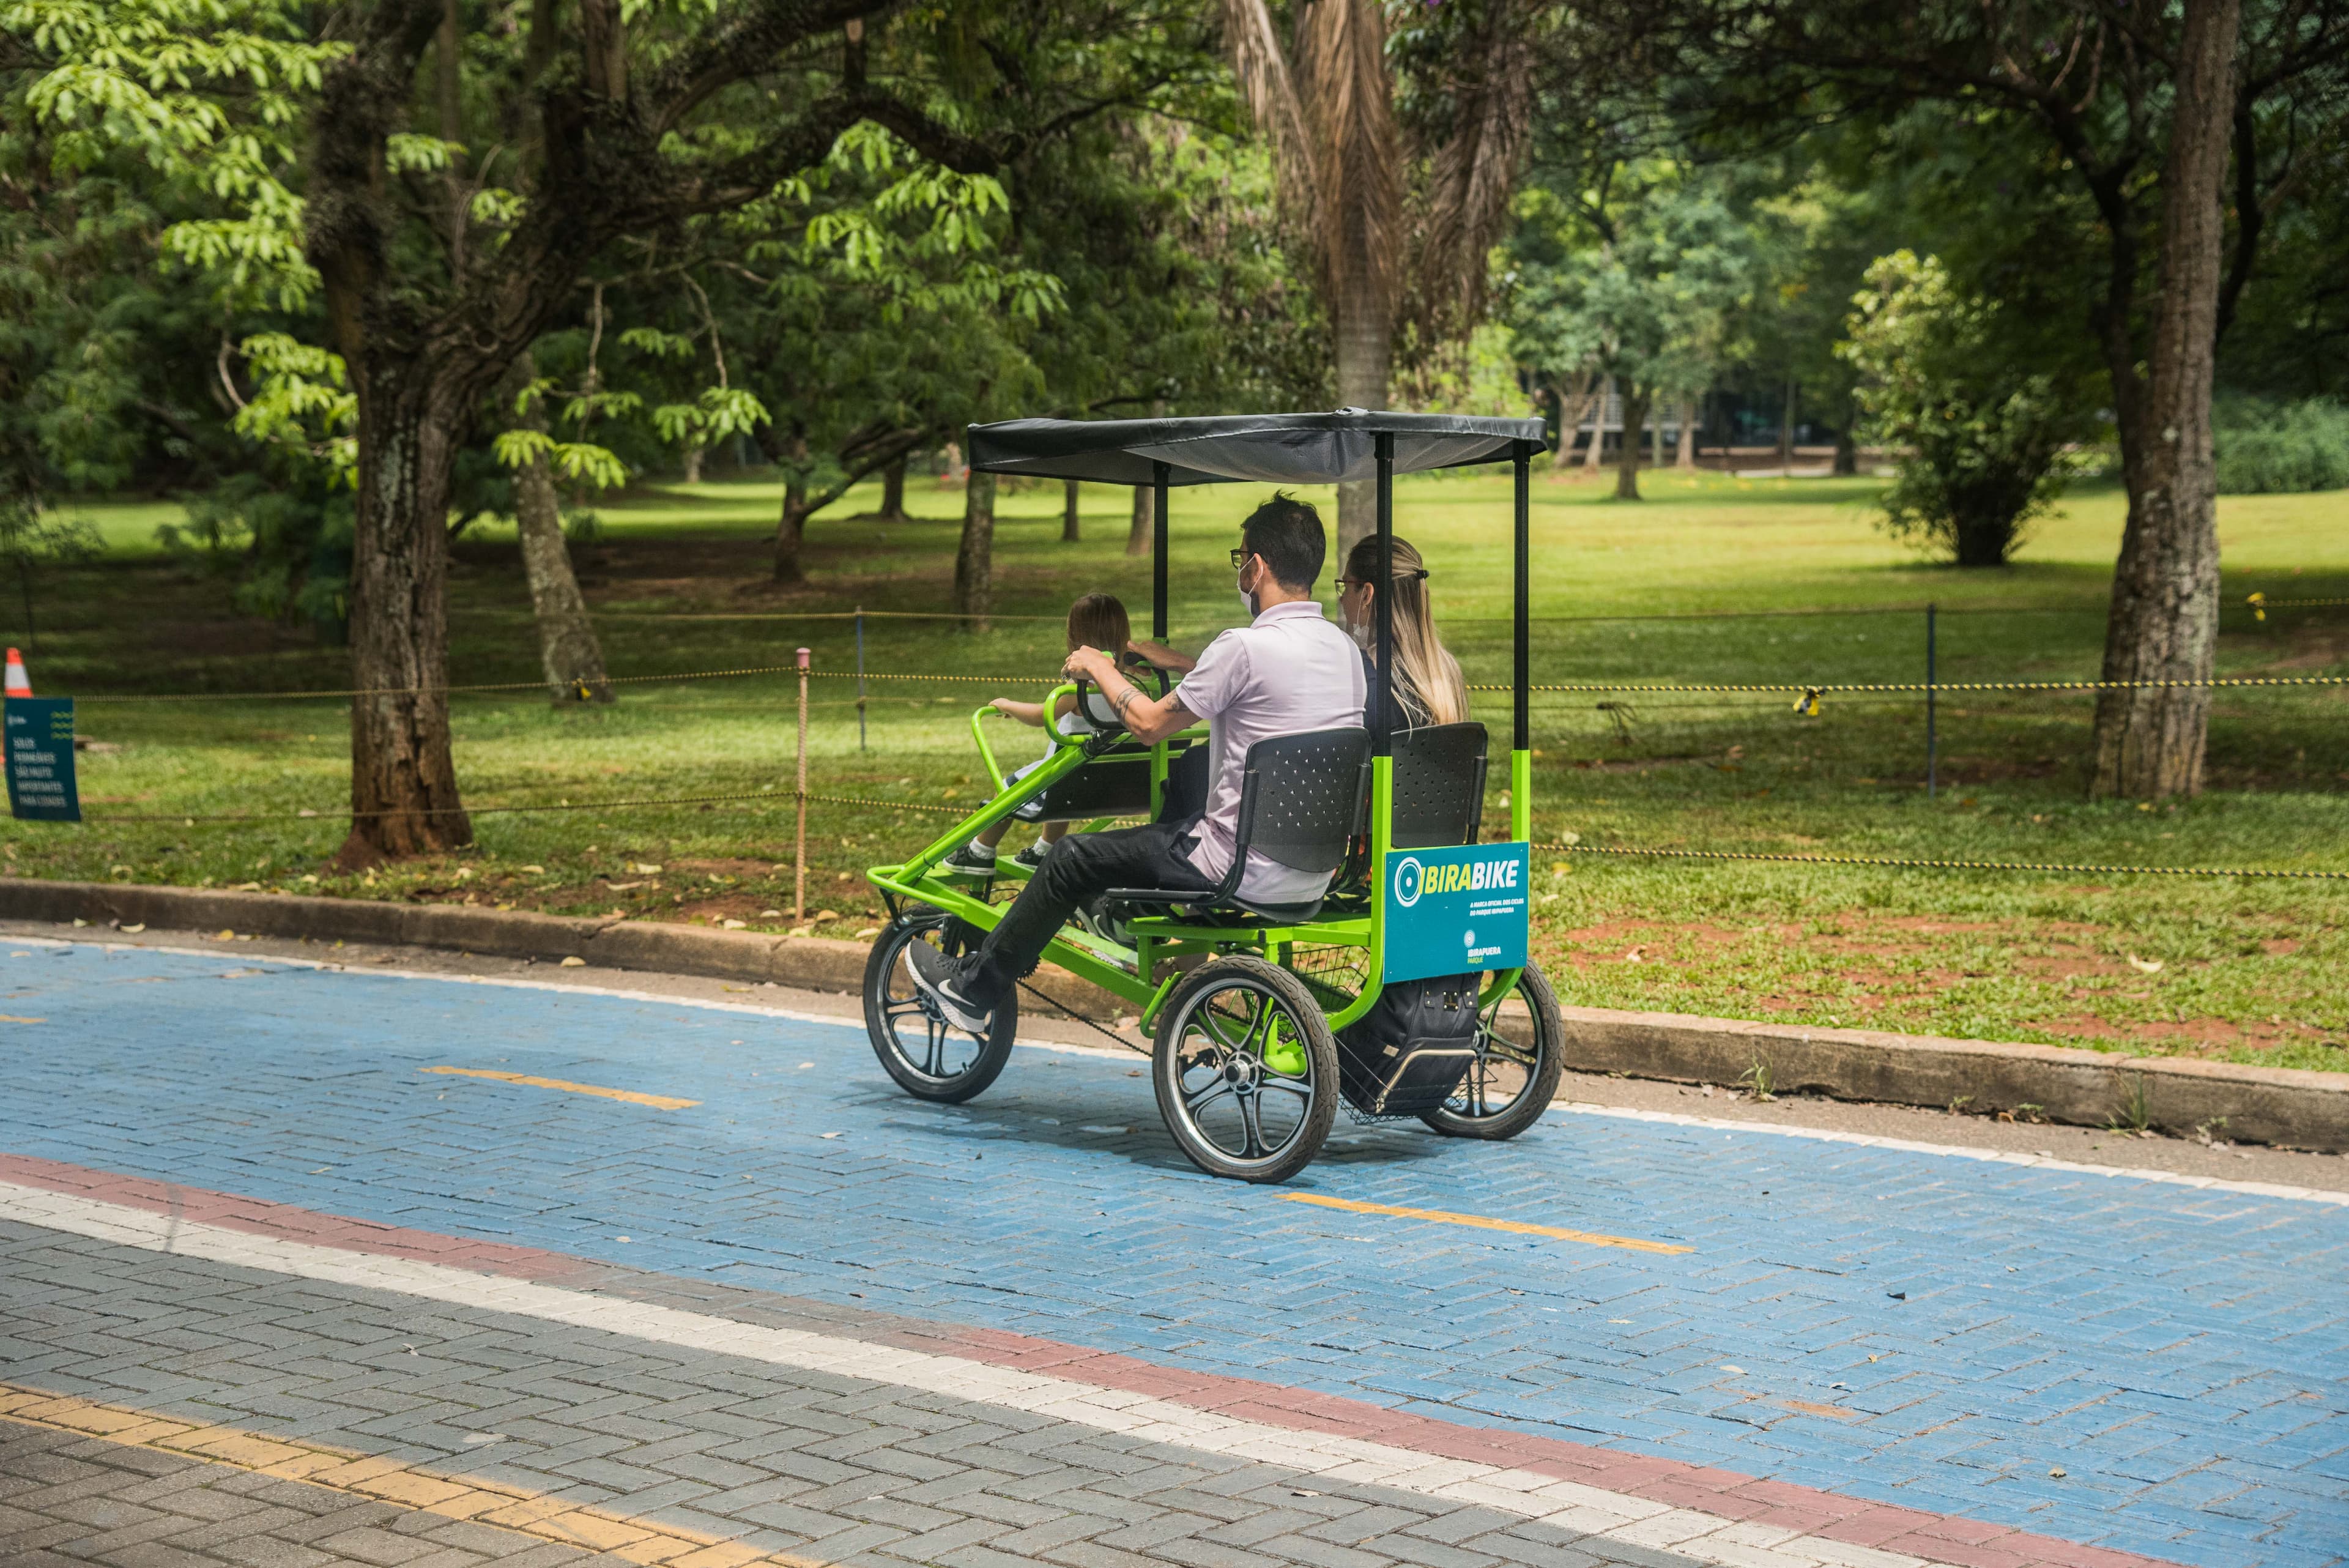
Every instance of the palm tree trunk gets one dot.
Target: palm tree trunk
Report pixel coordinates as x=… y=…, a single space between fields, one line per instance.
x=2165 y=616
x=1365 y=345
x=1627 y=457
x=1070 y=523
x=974 y=590
x=567 y=646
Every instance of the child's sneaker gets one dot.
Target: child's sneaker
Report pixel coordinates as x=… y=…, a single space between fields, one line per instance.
x=973 y=859
x=1032 y=858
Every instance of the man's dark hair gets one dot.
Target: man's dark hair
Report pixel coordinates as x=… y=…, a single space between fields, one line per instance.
x=1288 y=533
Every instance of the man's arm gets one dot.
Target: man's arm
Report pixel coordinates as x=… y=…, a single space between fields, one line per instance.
x=1148 y=720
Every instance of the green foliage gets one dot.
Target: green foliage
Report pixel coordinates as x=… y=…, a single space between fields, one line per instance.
x=1982 y=444
x=1641 y=277
x=2266 y=448
x=283 y=545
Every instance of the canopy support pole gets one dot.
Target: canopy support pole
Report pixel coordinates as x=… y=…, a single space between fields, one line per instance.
x=1157 y=552
x=1382 y=597
x=1521 y=805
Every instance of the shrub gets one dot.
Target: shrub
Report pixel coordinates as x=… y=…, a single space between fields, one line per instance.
x=2275 y=448
x=1983 y=444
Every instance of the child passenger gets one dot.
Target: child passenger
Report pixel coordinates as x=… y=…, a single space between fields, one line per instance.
x=1096 y=621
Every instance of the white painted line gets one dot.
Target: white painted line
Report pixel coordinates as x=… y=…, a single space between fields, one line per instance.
x=1954 y=1151
x=1708 y=1538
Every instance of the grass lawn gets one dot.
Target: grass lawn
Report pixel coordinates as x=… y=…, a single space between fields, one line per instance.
x=2246 y=970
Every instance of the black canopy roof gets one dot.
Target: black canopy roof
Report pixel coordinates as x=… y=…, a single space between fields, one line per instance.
x=1267 y=449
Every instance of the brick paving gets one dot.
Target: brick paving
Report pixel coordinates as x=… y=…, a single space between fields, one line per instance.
x=1927 y=1337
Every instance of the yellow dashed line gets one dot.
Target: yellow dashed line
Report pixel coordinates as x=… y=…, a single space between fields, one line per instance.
x=1587 y=1238
x=659 y=1102
x=343 y=1470
x=12 y=1018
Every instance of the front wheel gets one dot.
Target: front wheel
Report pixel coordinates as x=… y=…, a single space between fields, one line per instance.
x=1245 y=1070
x=930 y=1058
x=1520 y=1051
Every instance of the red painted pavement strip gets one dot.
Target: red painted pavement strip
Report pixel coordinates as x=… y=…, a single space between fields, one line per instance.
x=1940 y=1538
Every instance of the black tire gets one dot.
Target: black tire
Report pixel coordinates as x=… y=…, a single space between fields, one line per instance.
x=930 y=1059
x=1216 y=1086
x=1519 y=1053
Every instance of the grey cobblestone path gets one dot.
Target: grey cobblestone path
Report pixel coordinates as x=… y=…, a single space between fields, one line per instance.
x=821 y=1467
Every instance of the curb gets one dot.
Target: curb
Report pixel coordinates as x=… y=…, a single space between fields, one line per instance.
x=2286 y=1107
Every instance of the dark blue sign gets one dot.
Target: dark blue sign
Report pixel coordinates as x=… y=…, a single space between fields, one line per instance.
x=1452 y=911
x=41 y=760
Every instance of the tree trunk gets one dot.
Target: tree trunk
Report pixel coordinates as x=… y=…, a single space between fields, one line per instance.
x=1068 y=520
x=567 y=647
x=1627 y=457
x=893 y=492
x=404 y=797
x=693 y=465
x=791 y=528
x=1786 y=433
x=1592 y=458
x=974 y=560
x=1575 y=399
x=1686 y=457
x=1847 y=457
x=790 y=533
x=1138 y=534
x=2164 y=613
x=1365 y=348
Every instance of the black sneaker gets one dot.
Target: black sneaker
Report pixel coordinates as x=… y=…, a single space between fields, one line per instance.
x=1032 y=858
x=934 y=976
x=973 y=859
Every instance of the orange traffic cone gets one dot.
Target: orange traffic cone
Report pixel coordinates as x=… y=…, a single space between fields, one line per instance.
x=19 y=683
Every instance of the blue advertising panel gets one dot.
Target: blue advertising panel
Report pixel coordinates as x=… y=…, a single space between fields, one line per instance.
x=1452 y=911
x=41 y=760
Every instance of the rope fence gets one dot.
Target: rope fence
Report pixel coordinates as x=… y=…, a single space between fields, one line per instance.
x=1893 y=862
x=1808 y=697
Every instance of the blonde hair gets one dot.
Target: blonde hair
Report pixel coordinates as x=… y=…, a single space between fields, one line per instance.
x=1099 y=621
x=1427 y=684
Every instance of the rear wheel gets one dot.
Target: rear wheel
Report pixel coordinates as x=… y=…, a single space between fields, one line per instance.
x=930 y=1058
x=1246 y=1071
x=1520 y=1050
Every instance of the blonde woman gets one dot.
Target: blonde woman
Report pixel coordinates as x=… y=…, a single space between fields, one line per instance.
x=1428 y=687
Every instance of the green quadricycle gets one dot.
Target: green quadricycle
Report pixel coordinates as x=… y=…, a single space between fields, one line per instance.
x=1406 y=991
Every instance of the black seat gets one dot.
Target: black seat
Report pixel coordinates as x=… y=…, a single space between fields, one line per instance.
x=1300 y=805
x=1115 y=783
x=1439 y=787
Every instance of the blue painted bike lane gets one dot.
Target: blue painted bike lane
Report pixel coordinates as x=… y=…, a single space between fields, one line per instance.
x=1944 y=1333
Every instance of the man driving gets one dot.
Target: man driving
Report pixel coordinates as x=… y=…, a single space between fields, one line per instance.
x=1287 y=672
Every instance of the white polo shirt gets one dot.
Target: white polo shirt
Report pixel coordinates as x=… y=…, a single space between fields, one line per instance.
x=1289 y=672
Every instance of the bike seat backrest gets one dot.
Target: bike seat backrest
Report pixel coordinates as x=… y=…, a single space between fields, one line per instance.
x=1302 y=797
x=1116 y=783
x=1097 y=710
x=1439 y=787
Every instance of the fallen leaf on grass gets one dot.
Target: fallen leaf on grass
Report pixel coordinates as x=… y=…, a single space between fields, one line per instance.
x=868 y=931
x=2144 y=966
x=572 y=964
x=646 y=869
x=735 y=925
x=1637 y=955
x=134 y=930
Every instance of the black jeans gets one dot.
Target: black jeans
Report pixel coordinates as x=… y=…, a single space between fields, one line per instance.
x=1080 y=868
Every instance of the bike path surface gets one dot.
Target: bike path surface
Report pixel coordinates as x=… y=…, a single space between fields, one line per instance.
x=1931 y=1332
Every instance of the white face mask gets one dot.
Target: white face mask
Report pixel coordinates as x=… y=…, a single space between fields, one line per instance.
x=1248 y=599
x=1365 y=636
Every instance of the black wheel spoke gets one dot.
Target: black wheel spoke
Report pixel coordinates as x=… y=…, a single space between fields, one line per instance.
x=1206 y=1096
x=1298 y=1087
x=1251 y=1129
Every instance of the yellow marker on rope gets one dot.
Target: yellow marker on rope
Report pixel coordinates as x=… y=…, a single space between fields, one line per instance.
x=658 y=1102
x=1481 y=1223
x=2259 y=603
x=1807 y=704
